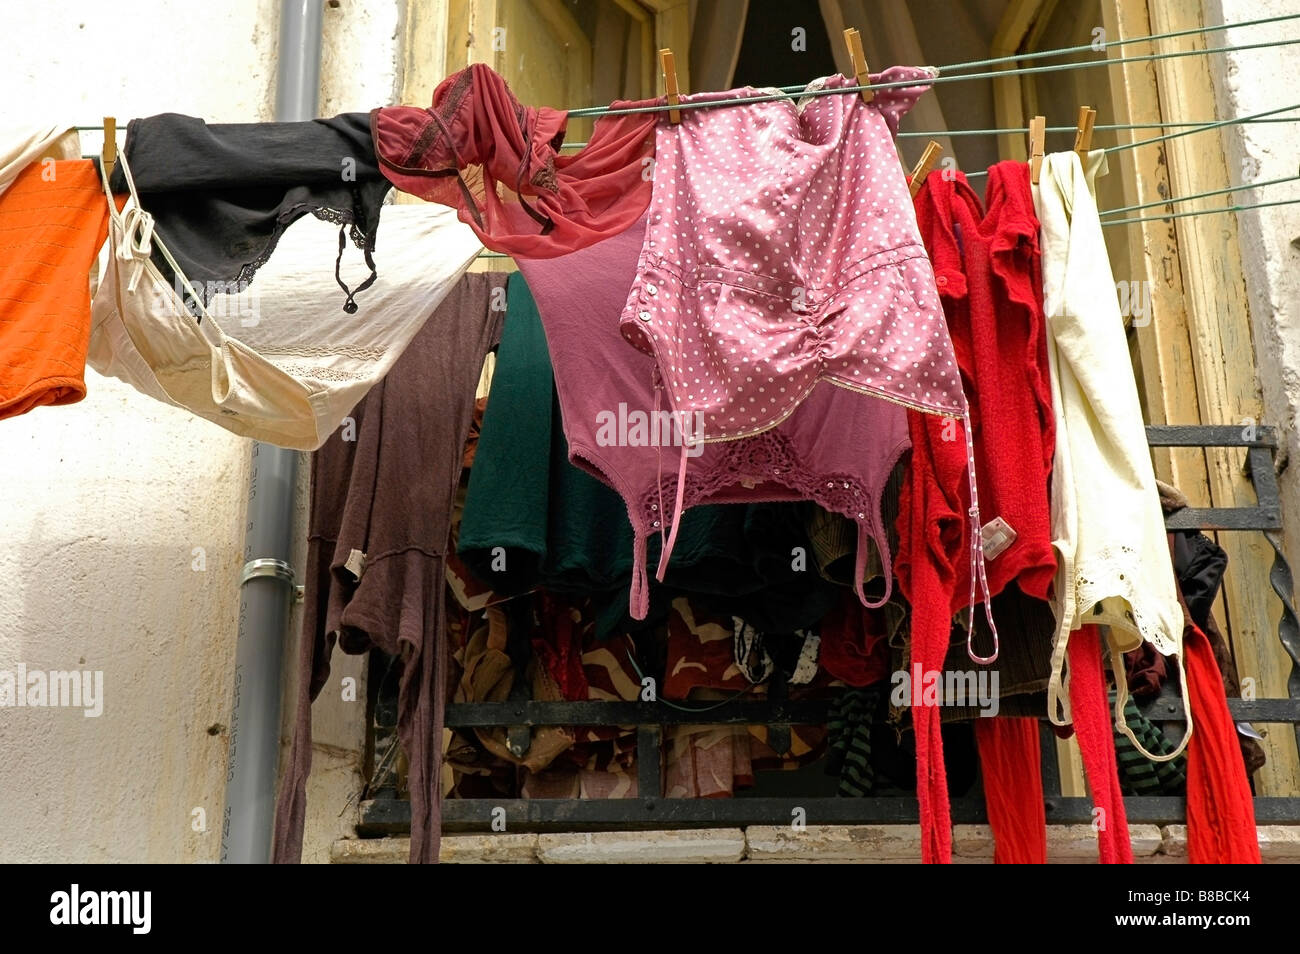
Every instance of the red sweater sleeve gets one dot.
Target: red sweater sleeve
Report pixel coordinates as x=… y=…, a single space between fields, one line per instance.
x=932 y=532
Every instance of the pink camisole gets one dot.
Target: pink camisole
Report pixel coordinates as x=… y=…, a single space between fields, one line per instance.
x=835 y=448
x=783 y=250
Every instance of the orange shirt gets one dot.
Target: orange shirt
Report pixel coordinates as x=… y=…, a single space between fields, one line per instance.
x=53 y=222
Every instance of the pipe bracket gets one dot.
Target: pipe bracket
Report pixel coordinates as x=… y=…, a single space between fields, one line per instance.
x=268 y=567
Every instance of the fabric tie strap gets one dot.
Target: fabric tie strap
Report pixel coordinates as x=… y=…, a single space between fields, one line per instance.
x=860 y=570
x=1058 y=690
x=350 y=304
x=137 y=243
x=667 y=550
x=138 y=238
x=1121 y=698
x=977 y=566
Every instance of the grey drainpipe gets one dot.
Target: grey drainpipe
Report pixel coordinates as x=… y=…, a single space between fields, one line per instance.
x=267 y=582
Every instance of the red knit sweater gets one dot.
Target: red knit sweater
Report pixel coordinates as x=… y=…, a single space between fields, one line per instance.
x=988 y=274
x=987 y=267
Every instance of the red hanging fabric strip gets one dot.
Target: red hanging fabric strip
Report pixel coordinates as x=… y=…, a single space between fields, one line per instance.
x=1010 y=765
x=1092 y=727
x=1220 y=810
x=932 y=536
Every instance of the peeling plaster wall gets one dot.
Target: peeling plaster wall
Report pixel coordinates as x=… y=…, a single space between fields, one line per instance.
x=1249 y=82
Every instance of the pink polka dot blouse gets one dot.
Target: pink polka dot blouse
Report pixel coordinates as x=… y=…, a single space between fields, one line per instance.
x=782 y=249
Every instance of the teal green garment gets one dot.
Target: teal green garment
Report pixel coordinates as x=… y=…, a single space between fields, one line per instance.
x=533 y=519
x=509 y=494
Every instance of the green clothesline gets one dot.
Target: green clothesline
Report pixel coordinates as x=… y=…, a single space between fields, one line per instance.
x=1186 y=132
x=1107 y=127
x=1182 y=215
x=1089 y=48
x=1187 y=128
x=1148 y=218
x=1150 y=205
x=1024 y=130
x=840 y=90
x=1200 y=195
x=1194 y=125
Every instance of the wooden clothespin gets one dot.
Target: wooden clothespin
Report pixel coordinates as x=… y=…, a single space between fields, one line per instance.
x=923 y=167
x=109 y=154
x=1037 y=137
x=669 y=68
x=1083 y=135
x=858 y=61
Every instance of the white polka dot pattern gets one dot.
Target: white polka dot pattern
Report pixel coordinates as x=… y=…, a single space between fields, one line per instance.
x=782 y=249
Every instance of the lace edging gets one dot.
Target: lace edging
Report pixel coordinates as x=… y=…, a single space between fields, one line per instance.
x=340 y=217
x=1118 y=580
x=765 y=457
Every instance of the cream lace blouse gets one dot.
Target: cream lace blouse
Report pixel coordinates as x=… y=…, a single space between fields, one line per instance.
x=1108 y=528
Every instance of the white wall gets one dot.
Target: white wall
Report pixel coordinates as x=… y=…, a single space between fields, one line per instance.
x=105 y=501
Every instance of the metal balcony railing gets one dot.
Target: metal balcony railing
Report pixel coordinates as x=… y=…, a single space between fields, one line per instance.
x=382 y=813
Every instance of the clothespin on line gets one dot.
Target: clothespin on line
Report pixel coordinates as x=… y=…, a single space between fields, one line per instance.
x=924 y=165
x=109 y=154
x=853 y=39
x=1037 y=137
x=668 y=66
x=1083 y=135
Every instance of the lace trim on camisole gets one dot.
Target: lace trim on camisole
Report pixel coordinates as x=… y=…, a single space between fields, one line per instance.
x=766 y=458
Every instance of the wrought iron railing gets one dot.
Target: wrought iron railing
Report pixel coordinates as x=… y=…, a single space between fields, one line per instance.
x=383 y=813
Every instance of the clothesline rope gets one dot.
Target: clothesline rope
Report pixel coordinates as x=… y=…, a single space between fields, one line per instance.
x=1199 y=195
x=1186 y=198
x=1024 y=130
x=1007 y=131
x=1124 y=41
x=1099 y=127
x=1108 y=44
x=1187 y=132
x=1236 y=121
x=1149 y=205
x=1186 y=128
x=1183 y=215
x=876 y=87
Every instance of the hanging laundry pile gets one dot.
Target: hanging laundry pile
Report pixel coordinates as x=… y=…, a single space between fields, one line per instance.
x=801 y=333
x=861 y=427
